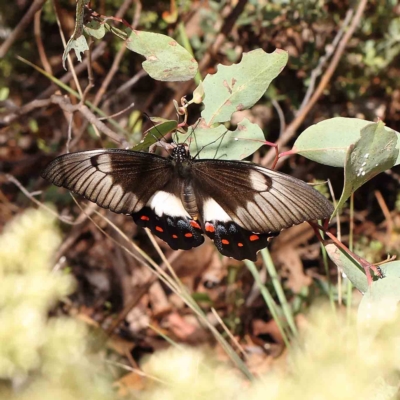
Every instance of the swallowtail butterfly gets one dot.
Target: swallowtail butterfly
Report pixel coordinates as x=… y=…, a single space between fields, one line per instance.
x=239 y=205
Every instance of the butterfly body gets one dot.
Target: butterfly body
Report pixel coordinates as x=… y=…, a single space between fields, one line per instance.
x=239 y=205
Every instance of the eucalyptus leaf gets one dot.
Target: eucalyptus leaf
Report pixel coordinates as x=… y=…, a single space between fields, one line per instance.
x=380 y=303
x=327 y=142
x=238 y=87
x=77 y=41
x=372 y=154
x=166 y=60
x=95 y=29
x=354 y=272
x=222 y=144
x=79 y=45
x=161 y=128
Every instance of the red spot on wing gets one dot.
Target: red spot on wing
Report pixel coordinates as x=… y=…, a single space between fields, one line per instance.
x=175 y=236
x=240 y=244
x=224 y=241
x=195 y=224
x=188 y=235
x=159 y=229
x=210 y=228
x=145 y=218
x=254 y=238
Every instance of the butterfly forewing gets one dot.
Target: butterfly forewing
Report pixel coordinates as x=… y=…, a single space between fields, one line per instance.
x=120 y=180
x=130 y=182
x=257 y=199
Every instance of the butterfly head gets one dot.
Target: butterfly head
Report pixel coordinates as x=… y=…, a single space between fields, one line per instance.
x=181 y=153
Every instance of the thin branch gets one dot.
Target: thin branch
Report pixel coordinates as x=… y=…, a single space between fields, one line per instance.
x=21 y=27
x=30 y=196
x=295 y=124
x=317 y=71
x=281 y=116
x=66 y=105
x=39 y=43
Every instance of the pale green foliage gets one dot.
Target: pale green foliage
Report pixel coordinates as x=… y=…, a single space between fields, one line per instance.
x=40 y=357
x=329 y=364
x=190 y=374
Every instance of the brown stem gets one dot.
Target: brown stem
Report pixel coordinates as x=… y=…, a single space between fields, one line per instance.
x=21 y=27
x=295 y=124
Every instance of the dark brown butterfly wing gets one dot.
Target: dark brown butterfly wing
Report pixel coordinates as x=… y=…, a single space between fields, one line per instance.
x=256 y=198
x=120 y=180
x=139 y=184
x=243 y=205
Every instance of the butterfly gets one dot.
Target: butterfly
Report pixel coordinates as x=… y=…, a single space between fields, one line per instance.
x=239 y=205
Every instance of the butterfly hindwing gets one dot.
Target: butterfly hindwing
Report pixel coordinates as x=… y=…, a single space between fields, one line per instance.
x=179 y=232
x=120 y=180
x=167 y=218
x=233 y=241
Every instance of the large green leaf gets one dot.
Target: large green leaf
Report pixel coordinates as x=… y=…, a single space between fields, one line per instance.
x=166 y=60
x=349 y=266
x=221 y=143
x=328 y=141
x=239 y=86
x=372 y=154
x=380 y=303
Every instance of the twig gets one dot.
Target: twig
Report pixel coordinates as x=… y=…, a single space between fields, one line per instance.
x=228 y=332
x=21 y=27
x=386 y=213
x=27 y=108
x=317 y=71
x=70 y=63
x=97 y=52
x=117 y=60
x=281 y=116
x=39 y=43
x=295 y=124
x=17 y=183
x=66 y=105
x=110 y=75
x=118 y=113
x=127 y=85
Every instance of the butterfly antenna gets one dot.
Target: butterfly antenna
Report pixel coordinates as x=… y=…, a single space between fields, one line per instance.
x=214 y=141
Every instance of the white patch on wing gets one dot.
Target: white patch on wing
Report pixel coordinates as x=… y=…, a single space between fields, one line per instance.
x=104 y=163
x=166 y=203
x=258 y=181
x=212 y=211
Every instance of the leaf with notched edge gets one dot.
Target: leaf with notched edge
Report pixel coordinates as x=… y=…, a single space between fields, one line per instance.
x=238 y=87
x=166 y=60
x=223 y=144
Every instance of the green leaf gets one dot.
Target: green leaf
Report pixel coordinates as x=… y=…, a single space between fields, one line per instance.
x=328 y=141
x=77 y=42
x=95 y=29
x=161 y=128
x=354 y=272
x=221 y=143
x=239 y=86
x=79 y=45
x=373 y=153
x=380 y=302
x=166 y=60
